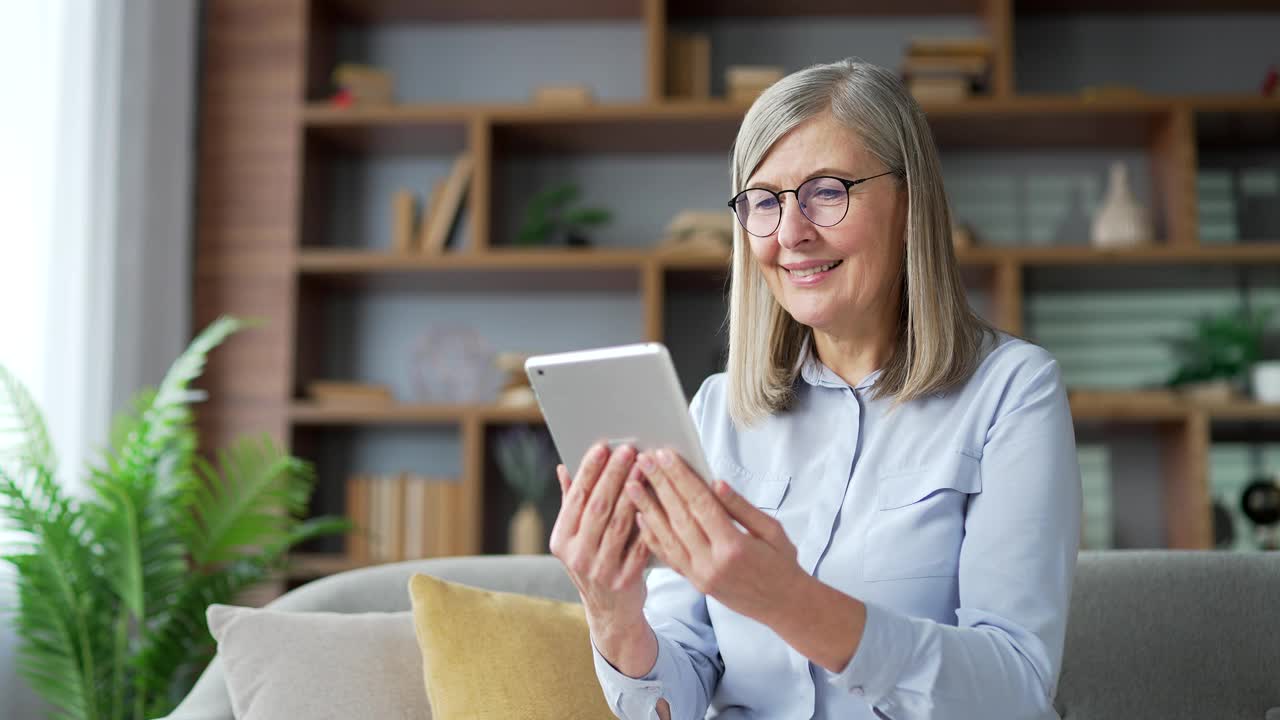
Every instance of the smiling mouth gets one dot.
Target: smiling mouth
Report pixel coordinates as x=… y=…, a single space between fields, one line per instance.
x=814 y=270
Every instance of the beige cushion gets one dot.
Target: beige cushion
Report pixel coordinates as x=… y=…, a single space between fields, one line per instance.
x=319 y=664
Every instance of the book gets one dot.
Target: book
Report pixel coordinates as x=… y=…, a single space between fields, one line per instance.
x=404 y=209
x=563 y=95
x=688 y=71
x=444 y=211
x=946 y=89
x=349 y=392
x=358 y=514
x=915 y=66
x=430 y=208
x=395 y=516
x=950 y=46
x=415 y=517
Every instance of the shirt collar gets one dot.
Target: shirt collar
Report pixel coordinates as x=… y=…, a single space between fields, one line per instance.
x=814 y=372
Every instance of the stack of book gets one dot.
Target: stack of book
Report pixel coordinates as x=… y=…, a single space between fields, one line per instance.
x=947 y=69
x=400 y=517
x=426 y=227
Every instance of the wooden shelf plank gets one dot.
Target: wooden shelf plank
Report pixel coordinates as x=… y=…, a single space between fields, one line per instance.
x=707 y=125
x=304 y=412
x=1261 y=253
x=504 y=11
x=1162 y=406
x=321 y=262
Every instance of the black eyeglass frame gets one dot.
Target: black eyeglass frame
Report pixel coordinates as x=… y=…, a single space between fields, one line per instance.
x=848 y=185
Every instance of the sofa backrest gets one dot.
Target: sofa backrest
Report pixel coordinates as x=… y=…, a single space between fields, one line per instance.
x=1173 y=634
x=1152 y=634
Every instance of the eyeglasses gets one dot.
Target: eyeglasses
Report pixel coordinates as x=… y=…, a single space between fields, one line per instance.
x=824 y=200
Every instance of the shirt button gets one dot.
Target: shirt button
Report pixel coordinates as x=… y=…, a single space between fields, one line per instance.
x=857 y=691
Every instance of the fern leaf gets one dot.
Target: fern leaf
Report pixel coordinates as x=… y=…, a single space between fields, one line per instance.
x=251 y=499
x=24 y=436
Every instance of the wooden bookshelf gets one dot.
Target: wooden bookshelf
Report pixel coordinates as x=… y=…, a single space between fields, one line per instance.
x=265 y=149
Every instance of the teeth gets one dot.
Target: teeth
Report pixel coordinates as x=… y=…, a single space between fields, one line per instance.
x=813 y=270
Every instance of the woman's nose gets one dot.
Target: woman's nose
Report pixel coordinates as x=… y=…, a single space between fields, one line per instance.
x=793 y=227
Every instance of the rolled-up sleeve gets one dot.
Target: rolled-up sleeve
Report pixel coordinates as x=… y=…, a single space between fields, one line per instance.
x=1017 y=561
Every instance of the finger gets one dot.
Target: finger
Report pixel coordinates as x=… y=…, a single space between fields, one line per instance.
x=655 y=526
x=684 y=526
x=604 y=496
x=613 y=544
x=632 y=564
x=562 y=474
x=757 y=522
x=698 y=497
x=657 y=547
x=580 y=488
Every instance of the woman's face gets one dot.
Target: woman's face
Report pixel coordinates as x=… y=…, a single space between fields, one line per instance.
x=866 y=246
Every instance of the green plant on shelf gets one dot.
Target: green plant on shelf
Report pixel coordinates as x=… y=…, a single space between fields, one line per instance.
x=550 y=213
x=1222 y=347
x=113 y=583
x=527 y=462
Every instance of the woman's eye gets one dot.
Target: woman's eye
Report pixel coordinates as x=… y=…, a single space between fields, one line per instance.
x=827 y=194
x=766 y=204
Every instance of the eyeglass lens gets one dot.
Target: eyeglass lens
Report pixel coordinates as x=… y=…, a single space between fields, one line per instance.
x=823 y=200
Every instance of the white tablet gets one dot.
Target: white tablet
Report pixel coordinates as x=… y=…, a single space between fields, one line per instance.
x=627 y=394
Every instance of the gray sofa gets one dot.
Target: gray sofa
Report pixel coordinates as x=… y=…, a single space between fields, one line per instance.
x=1152 y=634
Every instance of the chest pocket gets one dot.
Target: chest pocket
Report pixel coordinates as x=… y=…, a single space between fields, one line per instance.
x=763 y=491
x=918 y=524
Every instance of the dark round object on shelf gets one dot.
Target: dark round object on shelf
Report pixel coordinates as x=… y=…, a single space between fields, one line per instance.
x=1224 y=530
x=577 y=240
x=1260 y=502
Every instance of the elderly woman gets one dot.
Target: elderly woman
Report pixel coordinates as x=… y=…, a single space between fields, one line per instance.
x=893 y=526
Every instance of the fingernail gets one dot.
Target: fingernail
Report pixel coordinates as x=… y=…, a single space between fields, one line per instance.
x=599 y=451
x=666 y=457
x=640 y=520
x=626 y=451
x=646 y=461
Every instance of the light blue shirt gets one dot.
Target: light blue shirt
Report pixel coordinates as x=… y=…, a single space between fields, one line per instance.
x=956 y=519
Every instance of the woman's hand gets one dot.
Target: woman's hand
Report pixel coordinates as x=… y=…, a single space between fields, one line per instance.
x=690 y=527
x=593 y=536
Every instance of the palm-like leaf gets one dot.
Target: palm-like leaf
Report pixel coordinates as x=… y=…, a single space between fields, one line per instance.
x=23 y=428
x=110 y=609
x=61 y=617
x=248 y=501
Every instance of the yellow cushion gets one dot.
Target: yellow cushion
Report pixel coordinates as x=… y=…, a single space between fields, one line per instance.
x=502 y=655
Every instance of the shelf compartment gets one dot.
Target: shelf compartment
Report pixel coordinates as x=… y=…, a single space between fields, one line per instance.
x=710 y=125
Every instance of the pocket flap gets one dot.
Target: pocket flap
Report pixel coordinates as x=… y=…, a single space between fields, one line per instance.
x=958 y=472
x=767 y=493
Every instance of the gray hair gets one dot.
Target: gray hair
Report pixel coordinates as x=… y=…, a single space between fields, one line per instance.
x=939 y=336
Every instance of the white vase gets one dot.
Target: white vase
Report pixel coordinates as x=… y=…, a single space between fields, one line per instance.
x=526 y=531
x=1121 y=222
x=1266 y=381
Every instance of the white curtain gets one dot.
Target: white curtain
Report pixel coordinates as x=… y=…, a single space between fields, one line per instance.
x=95 y=189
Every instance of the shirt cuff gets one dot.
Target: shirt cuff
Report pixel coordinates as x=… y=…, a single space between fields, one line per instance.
x=880 y=660
x=633 y=698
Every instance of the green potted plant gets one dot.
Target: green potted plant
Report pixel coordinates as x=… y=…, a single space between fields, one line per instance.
x=550 y=213
x=112 y=585
x=1216 y=358
x=527 y=463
